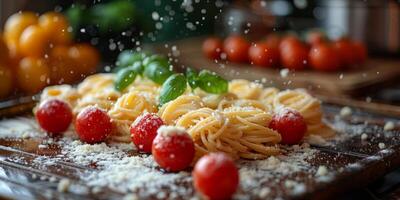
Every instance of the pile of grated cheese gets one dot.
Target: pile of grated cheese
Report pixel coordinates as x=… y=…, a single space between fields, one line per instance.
x=138 y=176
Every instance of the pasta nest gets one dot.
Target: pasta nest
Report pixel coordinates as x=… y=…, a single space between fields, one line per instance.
x=308 y=106
x=127 y=108
x=241 y=132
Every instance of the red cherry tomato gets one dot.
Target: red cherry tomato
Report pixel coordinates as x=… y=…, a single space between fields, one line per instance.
x=346 y=52
x=173 y=149
x=216 y=176
x=236 y=49
x=262 y=55
x=324 y=57
x=289 y=39
x=315 y=37
x=360 y=52
x=54 y=116
x=290 y=124
x=212 y=48
x=273 y=40
x=144 y=130
x=294 y=54
x=93 y=125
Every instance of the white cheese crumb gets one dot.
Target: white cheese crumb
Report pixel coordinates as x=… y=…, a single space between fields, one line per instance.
x=388 y=126
x=316 y=140
x=364 y=136
x=42 y=146
x=63 y=185
x=381 y=145
x=290 y=184
x=345 y=111
x=53 y=179
x=264 y=192
x=130 y=197
x=322 y=171
x=168 y=131
x=284 y=73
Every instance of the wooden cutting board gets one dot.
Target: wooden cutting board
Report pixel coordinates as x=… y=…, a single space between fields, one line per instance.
x=189 y=53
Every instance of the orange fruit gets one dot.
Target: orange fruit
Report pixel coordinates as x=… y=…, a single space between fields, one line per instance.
x=16 y=24
x=6 y=78
x=63 y=67
x=33 y=41
x=56 y=26
x=32 y=74
x=86 y=58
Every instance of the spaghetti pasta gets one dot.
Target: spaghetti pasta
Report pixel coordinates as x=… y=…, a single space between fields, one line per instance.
x=62 y=92
x=245 y=89
x=235 y=122
x=127 y=108
x=172 y=110
x=241 y=132
x=308 y=106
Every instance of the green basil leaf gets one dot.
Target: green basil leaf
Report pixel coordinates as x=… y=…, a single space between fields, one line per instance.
x=128 y=57
x=172 y=88
x=138 y=67
x=157 y=72
x=156 y=58
x=192 y=77
x=212 y=83
x=124 y=78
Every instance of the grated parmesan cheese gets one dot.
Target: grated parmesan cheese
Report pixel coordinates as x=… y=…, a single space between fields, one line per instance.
x=345 y=111
x=388 y=126
x=168 y=131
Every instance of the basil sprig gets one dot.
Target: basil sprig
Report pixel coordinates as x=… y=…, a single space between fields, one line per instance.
x=157 y=71
x=128 y=58
x=211 y=82
x=192 y=77
x=172 y=88
x=124 y=78
x=155 y=58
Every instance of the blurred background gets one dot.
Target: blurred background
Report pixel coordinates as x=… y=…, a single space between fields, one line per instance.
x=97 y=31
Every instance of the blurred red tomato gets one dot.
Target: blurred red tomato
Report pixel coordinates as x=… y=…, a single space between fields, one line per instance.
x=261 y=54
x=315 y=37
x=294 y=54
x=324 y=57
x=236 y=49
x=345 y=50
x=360 y=52
x=273 y=40
x=288 y=40
x=212 y=48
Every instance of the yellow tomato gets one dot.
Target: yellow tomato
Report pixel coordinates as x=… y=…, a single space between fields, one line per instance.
x=6 y=84
x=4 y=53
x=63 y=67
x=32 y=74
x=16 y=24
x=56 y=26
x=33 y=41
x=86 y=57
